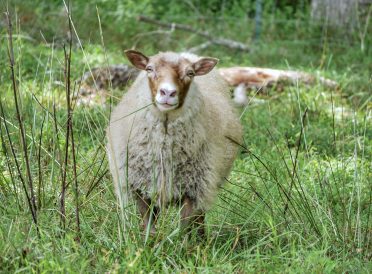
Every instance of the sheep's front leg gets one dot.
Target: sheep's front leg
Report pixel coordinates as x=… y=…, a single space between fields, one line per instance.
x=190 y=217
x=187 y=212
x=144 y=207
x=199 y=222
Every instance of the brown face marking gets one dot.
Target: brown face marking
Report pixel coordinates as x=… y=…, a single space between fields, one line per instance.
x=174 y=72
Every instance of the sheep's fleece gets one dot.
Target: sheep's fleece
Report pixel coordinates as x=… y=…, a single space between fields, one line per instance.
x=187 y=151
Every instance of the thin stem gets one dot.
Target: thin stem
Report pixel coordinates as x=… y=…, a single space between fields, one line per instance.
x=33 y=207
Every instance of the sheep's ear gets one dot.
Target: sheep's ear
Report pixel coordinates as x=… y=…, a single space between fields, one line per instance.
x=204 y=65
x=138 y=59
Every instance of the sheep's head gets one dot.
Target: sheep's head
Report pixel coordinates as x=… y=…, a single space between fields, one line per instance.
x=170 y=76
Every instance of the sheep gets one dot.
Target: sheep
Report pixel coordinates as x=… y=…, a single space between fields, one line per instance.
x=173 y=137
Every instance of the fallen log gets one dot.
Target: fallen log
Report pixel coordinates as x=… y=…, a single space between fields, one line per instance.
x=94 y=83
x=261 y=77
x=243 y=78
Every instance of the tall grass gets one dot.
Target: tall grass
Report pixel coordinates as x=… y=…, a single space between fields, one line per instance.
x=298 y=198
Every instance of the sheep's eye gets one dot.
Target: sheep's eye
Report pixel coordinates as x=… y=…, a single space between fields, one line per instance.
x=190 y=73
x=149 y=69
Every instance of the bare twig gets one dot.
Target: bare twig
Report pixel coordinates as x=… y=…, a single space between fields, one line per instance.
x=69 y=134
x=67 y=76
x=41 y=185
x=31 y=195
x=76 y=183
x=7 y=156
x=213 y=39
x=95 y=184
x=65 y=162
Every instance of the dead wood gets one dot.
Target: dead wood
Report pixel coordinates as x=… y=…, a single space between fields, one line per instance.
x=253 y=77
x=94 y=83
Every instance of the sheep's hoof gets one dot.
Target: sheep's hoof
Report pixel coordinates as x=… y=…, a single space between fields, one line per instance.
x=149 y=236
x=152 y=231
x=201 y=233
x=193 y=232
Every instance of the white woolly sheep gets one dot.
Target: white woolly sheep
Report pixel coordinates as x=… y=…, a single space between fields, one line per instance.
x=173 y=137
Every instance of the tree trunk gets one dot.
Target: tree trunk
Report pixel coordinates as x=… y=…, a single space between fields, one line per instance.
x=335 y=13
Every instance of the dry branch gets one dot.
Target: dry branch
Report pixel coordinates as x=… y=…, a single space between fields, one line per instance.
x=67 y=59
x=31 y=195
x=69 y=135
x=200 y=47
x=215 y=40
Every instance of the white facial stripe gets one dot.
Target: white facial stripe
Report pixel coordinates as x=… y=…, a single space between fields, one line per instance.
x=168 y=86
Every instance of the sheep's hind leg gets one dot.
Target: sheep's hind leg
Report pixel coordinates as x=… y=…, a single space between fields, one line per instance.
x=148 y=216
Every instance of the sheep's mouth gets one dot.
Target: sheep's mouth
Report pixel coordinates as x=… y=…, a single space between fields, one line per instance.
x=166 y=106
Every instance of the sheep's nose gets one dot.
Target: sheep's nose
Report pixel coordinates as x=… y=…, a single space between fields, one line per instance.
x=169 y=93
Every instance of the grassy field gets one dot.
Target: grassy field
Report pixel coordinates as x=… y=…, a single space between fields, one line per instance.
x=298 y=199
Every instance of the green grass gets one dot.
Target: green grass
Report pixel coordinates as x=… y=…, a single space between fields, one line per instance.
x=298 y=199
